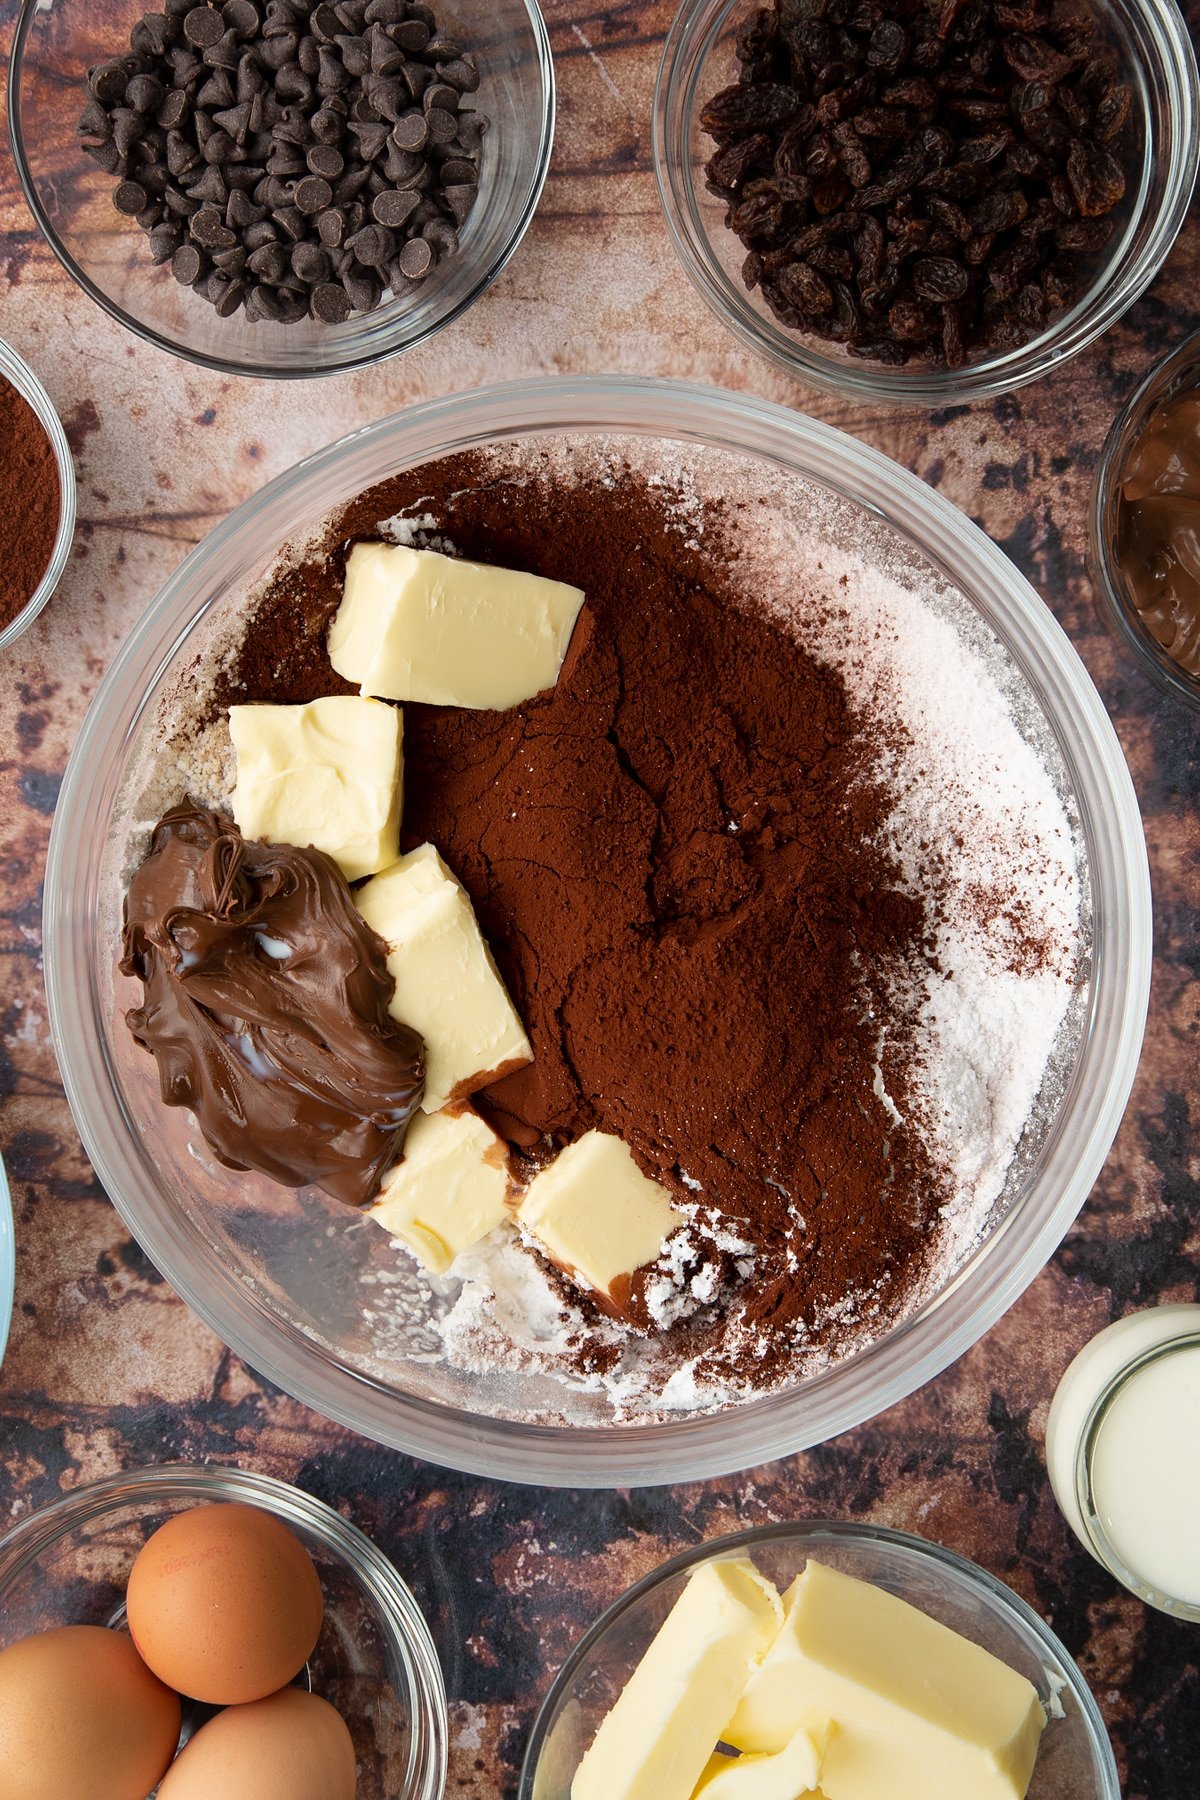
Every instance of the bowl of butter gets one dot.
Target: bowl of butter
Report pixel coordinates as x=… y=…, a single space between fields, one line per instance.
x=819 y=1661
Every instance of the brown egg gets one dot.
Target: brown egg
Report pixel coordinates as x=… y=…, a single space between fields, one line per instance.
x=292 y=1746
x=81 y=1714
x=224 y=1604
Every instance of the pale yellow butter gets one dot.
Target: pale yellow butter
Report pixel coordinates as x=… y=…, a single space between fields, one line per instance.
x=656 y=1739
x=790 y=1774
x=447 y=986
x=450 y=1189
x=919 y=1712
x=327 y=774
x=415 y=625
x=597 y=1216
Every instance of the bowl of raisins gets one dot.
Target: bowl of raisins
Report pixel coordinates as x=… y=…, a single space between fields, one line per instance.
x=920 y=201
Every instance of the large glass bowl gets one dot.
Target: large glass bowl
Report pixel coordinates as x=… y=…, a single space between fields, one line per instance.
x=315 y=1303
x=374 y=1660
x=1159 y=62
x=57 y=41
x=1075 y=1761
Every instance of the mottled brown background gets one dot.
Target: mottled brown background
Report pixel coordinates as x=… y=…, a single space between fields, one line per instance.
x=106 y=1368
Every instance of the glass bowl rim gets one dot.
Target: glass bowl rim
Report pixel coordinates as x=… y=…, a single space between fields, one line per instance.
x=923 y=387
x=994 y=1592
x=689 y=1447
x=1156 y=383
x=350 y=360
x=397 y=1610
x=18 y=373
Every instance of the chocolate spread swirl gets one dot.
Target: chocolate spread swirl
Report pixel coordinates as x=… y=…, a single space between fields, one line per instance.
x=266 y=1007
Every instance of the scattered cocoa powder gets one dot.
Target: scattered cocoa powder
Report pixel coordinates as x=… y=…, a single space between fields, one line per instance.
x=673 y=857
x=30 y=502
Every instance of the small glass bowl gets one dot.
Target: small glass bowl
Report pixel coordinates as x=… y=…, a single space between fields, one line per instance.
x=1181 y=369
x=1075 y=1758
x=16 y=370
x=69 y=1564
x=57 y=41
x=1159 y=60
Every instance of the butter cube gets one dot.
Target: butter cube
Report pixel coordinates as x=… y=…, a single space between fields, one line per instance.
x=598 y=1217
x=656 y=1739
x=447 y=986
x=790 y=1774
x=327 y=774
x=919 y=1712
x=450 y=1189
x=414 y=625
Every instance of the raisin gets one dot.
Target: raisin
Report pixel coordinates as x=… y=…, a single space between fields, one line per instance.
x=730 y=167
x=736 y=110
x=1096 y=177
x=1084 y=236
x=1112 y=112
x=998 y=212
x=805 y=289
x=940 y=279
x=1033 y=59
x=760 y=216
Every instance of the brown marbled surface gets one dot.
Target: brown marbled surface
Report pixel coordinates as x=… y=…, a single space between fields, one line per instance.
x=106 y=1368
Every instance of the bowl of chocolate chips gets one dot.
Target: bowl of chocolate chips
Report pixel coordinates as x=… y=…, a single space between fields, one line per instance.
x=924 y=201
x=282 y=187
x=597 y=931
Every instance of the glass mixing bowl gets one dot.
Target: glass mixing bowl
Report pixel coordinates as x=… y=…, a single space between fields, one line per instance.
x=317 y=1304
x=16 y=370
x=1178 y=370
x=69 y=1564
x=1075 y=1757
x=57 y=42
x=1159 y=62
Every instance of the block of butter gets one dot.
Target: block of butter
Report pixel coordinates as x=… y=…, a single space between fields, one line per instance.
x=450 y=1189
x=790 y=1774
x=415 y=625
x=658 y=1736
x=447 y=986
x=327 y=774
x=919 y=1712
x=598 y=1217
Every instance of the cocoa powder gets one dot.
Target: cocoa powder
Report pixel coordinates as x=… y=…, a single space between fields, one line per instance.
x=30 y=502
x=674 y=859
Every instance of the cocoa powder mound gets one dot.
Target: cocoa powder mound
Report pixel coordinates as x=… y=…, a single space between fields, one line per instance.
x=674 y=857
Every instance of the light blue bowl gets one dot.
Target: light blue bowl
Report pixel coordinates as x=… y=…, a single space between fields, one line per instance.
x=8 y=1260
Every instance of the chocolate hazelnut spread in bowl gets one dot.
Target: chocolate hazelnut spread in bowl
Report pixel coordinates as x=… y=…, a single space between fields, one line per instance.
x=802 y=906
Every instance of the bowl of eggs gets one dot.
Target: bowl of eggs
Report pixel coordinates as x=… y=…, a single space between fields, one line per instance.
x=206 y=1633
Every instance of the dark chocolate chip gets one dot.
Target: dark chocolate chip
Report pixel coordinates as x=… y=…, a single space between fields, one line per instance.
x=416 y=259
x=145 y=94
x=411 y=131
x=164 y=241
x=264 y=232
x=209 y=229
x=313 y=194
x=394 y=207
x=443 y=126
x=331 y=228
x=330 y=304
x=441 y=236
x=292 y=222
x=108 y=82
x=188 y=264
x=270 y=263
x=411 y=35
x=364 y=288
x=460 y=75
x=202 y=26
x=460 y=198
x=374 y=246
x=311 y=264
x=326 y=161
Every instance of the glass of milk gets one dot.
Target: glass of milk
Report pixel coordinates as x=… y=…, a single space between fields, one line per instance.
x=1123 y=1454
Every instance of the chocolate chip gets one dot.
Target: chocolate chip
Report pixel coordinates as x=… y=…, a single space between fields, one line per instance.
x=187 y=265
x=460 y=198
x=441 y=237
x=107 y=156
x=461 y=75
x=202 y=26
x=210 y=188
x=108 y=82
x=443 y=126
x=364 y=288
x=411 y=131
x=291 y=221
x=313 y=194
x=330 y=304
x=262 y=305
x=394 y=208
x=145 y=94
x=331 y=228
x=440 y=94
x=311 y=264
x=416 y=259
x=270 y=263
x=374 y=245
x=326 y=161
x=209 y=229
x=411 y=35
x=458 y=172
x=164 y=241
